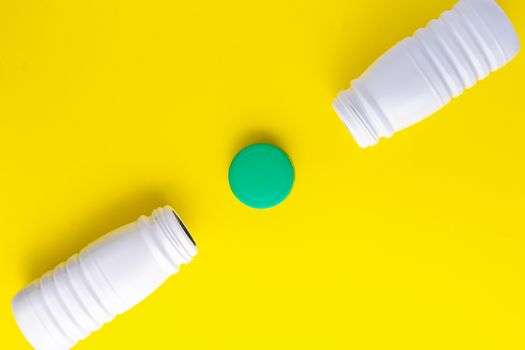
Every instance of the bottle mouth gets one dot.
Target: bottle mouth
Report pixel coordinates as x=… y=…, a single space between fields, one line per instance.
x=178 y=242
x=355 y=121
x=184 y=228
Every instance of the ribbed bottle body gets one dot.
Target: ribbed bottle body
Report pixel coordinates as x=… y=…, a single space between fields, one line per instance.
x=105 y=279
x=422 y=73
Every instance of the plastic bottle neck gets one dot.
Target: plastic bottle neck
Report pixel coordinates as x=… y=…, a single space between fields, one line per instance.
x=171 y=238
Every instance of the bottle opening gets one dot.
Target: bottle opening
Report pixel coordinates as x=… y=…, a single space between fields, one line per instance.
x=184 y=228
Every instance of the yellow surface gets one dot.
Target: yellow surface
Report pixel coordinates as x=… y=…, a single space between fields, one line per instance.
x=110 y=109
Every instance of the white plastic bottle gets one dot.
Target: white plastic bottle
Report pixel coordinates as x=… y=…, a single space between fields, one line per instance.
x=105 y=279
x=422 y=73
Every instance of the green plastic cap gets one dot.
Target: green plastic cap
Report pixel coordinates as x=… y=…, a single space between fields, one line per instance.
x=261 y=176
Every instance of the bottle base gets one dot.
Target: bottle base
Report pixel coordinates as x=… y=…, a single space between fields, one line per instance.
x=30 y=324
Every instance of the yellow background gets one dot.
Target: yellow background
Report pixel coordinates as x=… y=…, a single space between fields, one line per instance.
x=110 y=109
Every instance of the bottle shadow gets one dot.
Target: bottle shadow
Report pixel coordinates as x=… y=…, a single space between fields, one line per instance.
x=91 y=225
x=359 y=51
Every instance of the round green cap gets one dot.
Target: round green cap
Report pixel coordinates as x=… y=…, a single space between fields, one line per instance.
x=261 y=176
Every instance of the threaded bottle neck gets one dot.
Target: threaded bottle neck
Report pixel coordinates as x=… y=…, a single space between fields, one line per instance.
x=354 y=121
x=174 y=242
x=367 y=125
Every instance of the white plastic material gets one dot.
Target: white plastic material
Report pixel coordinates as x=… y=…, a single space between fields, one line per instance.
x=422 y=73
x=105 y=279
